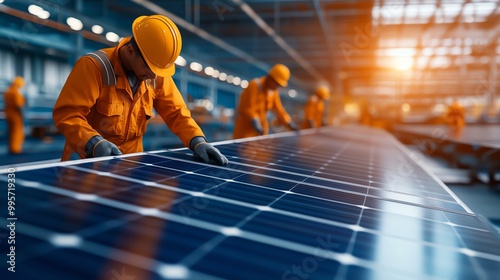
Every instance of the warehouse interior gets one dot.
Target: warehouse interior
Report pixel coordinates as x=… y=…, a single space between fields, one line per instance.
x=390 y=65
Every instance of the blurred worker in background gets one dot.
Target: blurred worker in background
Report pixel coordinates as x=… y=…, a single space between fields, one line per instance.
x=109 y=96
x=455 y=116
x=315 y=107
x=365 y=116
x=260 y=96
x=14 y=103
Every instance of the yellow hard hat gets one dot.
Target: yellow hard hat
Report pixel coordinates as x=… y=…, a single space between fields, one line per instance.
x=18 y=81
x=323 y=92
x=280 y=73
x=159 y=41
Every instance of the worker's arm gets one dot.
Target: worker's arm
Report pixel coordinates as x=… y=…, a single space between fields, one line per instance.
x=309 y=111
x=19 y=100
x=248 y=105
x=169 y=103
x=77 y=96
x=280 y=112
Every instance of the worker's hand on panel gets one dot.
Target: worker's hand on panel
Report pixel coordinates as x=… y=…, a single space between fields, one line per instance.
x=207 y=152
x=292 y=126
x=257 y=126
x=100 y=147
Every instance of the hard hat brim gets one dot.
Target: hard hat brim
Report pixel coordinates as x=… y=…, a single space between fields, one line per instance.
x=283 y=83
x=280 y=73
x=162 y=72
x=280 y=82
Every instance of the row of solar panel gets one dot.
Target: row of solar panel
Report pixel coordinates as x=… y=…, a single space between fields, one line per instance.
x=330 y=204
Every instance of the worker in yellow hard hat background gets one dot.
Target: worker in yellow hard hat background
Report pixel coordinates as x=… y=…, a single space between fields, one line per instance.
x=315 y=107
x=14 y=102
x=260 y=96
x=104 y=107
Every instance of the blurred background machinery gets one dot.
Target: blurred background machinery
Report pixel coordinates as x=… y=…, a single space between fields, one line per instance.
x=387 y=63
x=407 y=60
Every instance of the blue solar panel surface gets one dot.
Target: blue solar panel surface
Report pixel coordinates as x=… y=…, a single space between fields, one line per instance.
x=337 y=203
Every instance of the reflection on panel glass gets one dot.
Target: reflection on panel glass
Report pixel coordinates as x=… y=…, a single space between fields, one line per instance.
x=329 y=204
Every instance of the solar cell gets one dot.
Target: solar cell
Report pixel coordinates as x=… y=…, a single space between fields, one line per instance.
x=320 y=204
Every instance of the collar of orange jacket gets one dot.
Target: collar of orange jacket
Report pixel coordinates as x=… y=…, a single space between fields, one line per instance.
x=115 y=58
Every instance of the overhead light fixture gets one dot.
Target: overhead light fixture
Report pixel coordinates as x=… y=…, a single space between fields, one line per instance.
x=292 y=93
x=44 y=15
x=97 y=29
x=38 y=11
x=209 y=70
x=34 y=9
x=223 y=76
x=244 y=84
x=74 y=23
x=236 y=81
x=112 y=37
x=180 y=61
x=195 y=66
x=403 y=63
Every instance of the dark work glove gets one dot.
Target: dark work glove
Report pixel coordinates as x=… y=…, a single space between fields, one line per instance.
x=206 y=151
x=97 y=146
x=292 y=126
x=257 y=126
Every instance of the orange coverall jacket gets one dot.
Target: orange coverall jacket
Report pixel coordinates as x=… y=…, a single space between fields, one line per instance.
x=455 y=116
x=313 y=112
x=254 y=103
x=14 y=101
x=86 y=108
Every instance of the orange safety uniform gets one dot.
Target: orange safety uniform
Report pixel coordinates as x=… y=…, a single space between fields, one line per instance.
x=254 y=103
x=86 y=107
x=313 y=112
x=455 y=116
x=14 y=101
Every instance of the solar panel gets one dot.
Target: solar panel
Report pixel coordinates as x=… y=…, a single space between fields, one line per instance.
x=484 y=135
x=333 y=203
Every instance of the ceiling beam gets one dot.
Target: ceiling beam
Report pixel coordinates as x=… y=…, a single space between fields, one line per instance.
x=203 y=34
x=279 y=40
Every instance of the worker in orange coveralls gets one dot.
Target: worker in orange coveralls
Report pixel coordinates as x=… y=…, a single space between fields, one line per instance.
x=455 y=116
x=314 y=108
x=260 y=96
x=104 y=107
x=14 y=102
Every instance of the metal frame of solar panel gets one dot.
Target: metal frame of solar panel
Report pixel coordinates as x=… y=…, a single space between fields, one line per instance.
x=331 y=203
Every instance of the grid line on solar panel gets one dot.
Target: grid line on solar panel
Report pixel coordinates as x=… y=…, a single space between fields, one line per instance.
x=417 y=178
x=139 y=210
x=61 y=242
x=122 y=205
x=434 y=202
x=259 y=236
x=431 y=201
x=148 y=183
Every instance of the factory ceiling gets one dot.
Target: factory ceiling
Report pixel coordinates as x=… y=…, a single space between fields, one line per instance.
x=359 y=48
